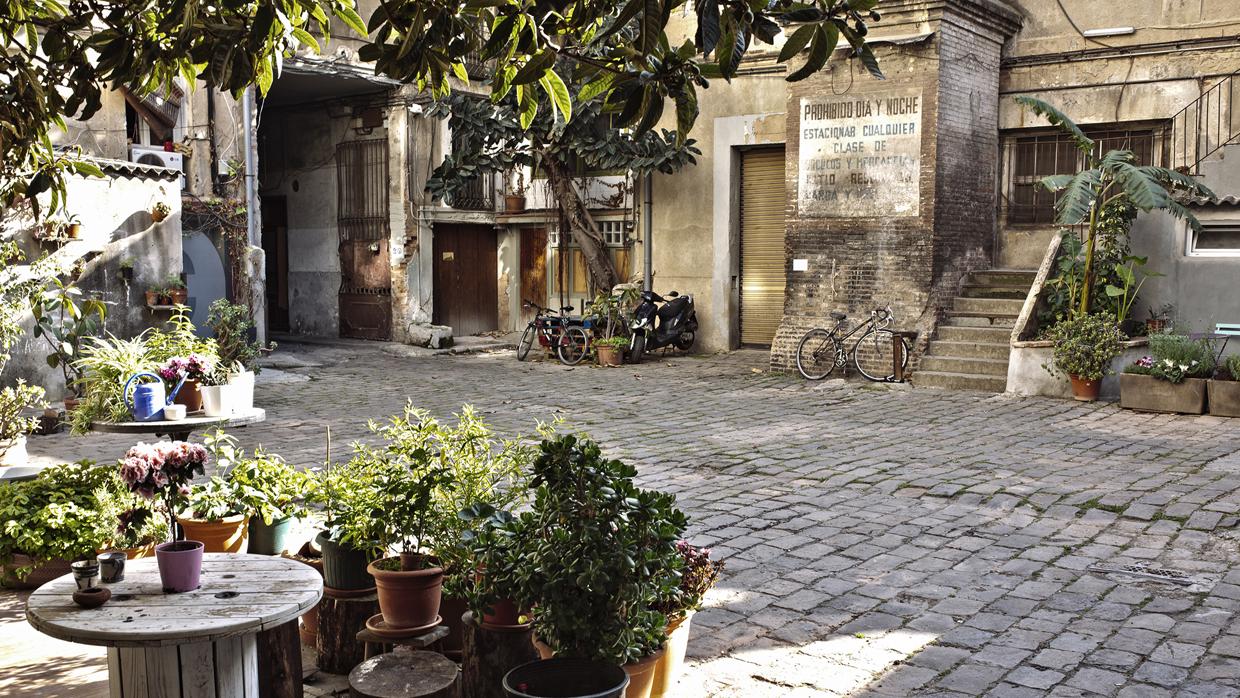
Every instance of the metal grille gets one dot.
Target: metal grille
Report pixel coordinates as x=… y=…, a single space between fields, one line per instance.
x=1028 y=159
x=763 y=280
x=362 y=190
x=477 y=195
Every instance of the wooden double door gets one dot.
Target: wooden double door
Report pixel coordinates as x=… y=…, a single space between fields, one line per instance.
x=466 y=295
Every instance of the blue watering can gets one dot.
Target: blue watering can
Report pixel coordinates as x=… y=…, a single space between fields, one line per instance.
x=148 y=400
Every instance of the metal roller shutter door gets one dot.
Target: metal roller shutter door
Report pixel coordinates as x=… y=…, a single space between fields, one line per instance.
x=762 y=244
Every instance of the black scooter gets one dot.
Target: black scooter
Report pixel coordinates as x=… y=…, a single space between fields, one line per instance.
x=673 y=323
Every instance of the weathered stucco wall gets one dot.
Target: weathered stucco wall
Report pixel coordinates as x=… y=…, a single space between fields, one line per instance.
x=116 y=226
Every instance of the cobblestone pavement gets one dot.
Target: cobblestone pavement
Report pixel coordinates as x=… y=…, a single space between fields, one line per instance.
x=879 y=542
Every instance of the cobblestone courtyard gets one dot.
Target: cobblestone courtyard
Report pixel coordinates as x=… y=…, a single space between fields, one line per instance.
x=879 y=541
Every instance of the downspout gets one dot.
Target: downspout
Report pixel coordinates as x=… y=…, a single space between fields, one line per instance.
x=647 y=230
x=215 y=158
x=257 y=271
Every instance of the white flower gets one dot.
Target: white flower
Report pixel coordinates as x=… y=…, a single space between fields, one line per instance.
x=1184 y=368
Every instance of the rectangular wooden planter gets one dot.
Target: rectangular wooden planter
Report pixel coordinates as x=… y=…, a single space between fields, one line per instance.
x=1224 y=398
x=1150 y=394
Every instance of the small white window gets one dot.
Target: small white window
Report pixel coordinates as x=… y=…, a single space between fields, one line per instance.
x=1216 y=239
x=614 y=234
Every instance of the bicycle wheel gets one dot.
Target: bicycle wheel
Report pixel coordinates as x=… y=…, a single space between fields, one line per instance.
x=573 y=346
x=873 y=354
x=817 y=354
x=527 y=341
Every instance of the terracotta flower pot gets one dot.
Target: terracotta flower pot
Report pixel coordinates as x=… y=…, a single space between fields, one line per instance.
x=452 y=609
x=408 y=598
x=1085 y=389
x=514 y=203
x=190 y=395
x=609 y=355
x=667 y=671
x=228 y=535
x=152 y=298
x=641 y=675
x=178 y=296
x=504 y=614
x=309 y=629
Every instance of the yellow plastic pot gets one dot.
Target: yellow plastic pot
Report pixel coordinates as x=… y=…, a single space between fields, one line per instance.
x=667 y=672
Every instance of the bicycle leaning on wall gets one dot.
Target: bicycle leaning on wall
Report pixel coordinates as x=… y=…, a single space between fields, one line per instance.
x=821 y=351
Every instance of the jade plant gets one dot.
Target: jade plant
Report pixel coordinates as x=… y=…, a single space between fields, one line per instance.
x=597 y=555
x=1085 y=346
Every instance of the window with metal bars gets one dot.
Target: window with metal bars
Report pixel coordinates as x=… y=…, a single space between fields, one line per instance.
x=1030 y=158
x=362 y=189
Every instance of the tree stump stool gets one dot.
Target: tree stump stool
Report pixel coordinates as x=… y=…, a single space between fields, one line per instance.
x=489 y=654
x=340 y=620
x=404 y=673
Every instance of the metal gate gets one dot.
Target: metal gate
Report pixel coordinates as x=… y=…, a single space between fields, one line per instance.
x=762 y=245
x=362 y=218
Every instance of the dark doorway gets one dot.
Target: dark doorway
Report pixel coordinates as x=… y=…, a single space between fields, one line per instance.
x=466 y=289
x=362 y=218
x=275 y=249
x=533 y=269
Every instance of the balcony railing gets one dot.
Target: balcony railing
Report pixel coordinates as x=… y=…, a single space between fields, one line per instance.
x=478 y=195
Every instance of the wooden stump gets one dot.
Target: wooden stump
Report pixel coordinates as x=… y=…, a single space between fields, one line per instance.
x=339 y=622
x=489 y=654
x=279 y=662
x=405 y=674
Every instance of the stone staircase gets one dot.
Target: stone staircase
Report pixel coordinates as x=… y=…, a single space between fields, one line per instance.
x=969 y=350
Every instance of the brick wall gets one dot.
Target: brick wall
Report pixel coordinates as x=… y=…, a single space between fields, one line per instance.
x=912 y=262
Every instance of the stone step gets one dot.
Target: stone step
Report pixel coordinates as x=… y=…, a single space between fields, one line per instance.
x=990 y=335
x=969 y=350
x=959 y=381
x=992 y=306
x=1010 y=291
x=961 y=364
x=1005 y=277
x=970 y=319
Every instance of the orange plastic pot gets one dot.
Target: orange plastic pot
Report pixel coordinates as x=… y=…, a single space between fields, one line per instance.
x=668 y=670
x=227 y=535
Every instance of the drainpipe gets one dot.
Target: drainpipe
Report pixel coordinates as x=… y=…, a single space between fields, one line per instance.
x=647 y=230
x=258 y=276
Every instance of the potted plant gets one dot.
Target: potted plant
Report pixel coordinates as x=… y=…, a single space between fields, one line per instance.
x=73 y=227
x=275 y=490
x=234 y=336
x=66 y=513
x=349 y=534
x=495 y=540
x=1171 y=379
x=165 y=469
x=160 y=211
x=63 y=319
x=1224 y=389
x=193 y=369
x=514 y=199
x=699 y=575
x=1125 y=294
x=591 y=601
x=610 y=350
x=175 y=289
x=155 y=296
x=1160 y=319
x=214 y=512
x=15 y=421
x=1085 y=346
x=218 y=394
x=126 y=267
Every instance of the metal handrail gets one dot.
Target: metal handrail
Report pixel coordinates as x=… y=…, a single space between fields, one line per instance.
x=1203 y=127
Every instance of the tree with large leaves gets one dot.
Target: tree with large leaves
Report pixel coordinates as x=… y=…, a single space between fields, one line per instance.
x=1110 y=177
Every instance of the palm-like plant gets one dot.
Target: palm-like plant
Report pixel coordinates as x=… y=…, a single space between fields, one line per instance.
x=1109 y=177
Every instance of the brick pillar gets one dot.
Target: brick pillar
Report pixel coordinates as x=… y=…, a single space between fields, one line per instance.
x=892 y=187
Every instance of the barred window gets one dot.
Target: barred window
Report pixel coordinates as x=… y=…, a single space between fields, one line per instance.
x=1030 y=158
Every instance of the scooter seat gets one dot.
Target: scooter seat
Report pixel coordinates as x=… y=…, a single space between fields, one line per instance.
x=566 y=308
x=838 y=316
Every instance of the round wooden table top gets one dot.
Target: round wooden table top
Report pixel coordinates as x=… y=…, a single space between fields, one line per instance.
x=240 y=594
x=164 y=426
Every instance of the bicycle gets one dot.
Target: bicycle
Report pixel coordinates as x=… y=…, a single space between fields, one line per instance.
x=554 y=332
x=821 y=351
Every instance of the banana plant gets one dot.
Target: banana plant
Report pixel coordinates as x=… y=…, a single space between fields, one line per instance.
x=1107 y=177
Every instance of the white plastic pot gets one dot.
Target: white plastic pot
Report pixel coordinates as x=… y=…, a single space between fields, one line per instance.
x=218 y=400
x=243 y=391
x=13 y=451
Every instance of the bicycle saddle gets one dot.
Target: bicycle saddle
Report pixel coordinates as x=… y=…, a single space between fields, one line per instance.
x=566 y=308
x=838 y=316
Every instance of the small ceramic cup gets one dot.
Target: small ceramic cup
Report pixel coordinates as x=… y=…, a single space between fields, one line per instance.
x=174 y=413
x=112 y=567
x=85 y=573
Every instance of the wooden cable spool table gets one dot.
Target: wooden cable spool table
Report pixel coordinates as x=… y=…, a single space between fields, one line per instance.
x=181 y=429
x=190 y=645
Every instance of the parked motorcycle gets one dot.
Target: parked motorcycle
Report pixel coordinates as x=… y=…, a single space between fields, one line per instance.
x=662 y=322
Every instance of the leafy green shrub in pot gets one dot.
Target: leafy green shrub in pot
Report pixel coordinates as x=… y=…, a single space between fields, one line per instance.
x=233 y=328
x=272 y=490
x=1085 y=346
x=70 y=512
x=598 y=555
x=495 y=541
x=1231 y=367
x=215 y=513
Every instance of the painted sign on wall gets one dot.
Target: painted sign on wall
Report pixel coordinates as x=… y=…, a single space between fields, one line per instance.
x=860 y=156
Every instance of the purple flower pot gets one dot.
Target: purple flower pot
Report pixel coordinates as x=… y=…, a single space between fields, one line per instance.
x=180 y=565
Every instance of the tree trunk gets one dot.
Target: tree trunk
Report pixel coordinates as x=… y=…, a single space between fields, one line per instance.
x=585 y=230
x=279 y=662
x=339 y=622
x=1087 y=281
x=489 y=655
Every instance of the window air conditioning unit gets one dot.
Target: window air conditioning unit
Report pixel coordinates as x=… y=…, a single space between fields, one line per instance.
x=159 y=158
